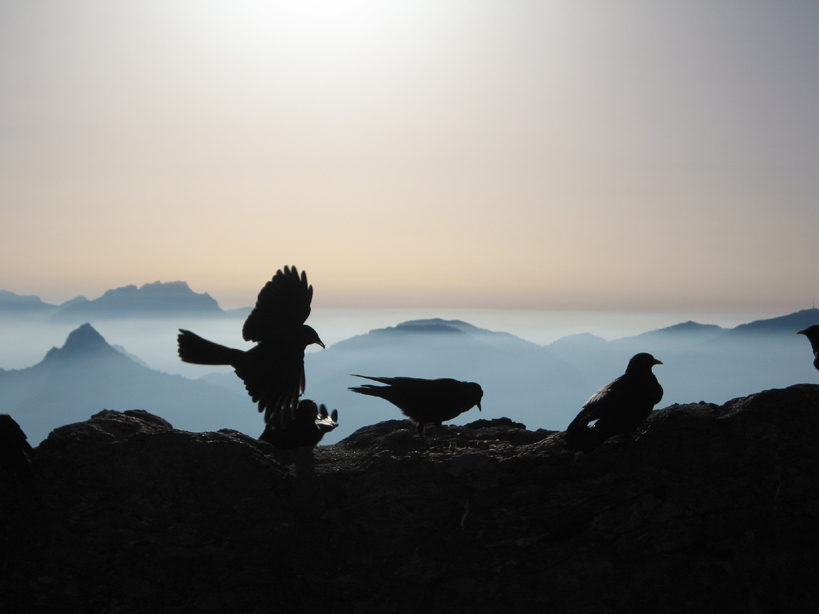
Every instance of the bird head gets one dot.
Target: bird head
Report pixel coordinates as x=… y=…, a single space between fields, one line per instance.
x=641 y=361
x=811 y=332
x=309 y=336
x=476 y=393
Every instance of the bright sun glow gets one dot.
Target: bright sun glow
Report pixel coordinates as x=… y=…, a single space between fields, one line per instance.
x=568 y=155
x=316 y=24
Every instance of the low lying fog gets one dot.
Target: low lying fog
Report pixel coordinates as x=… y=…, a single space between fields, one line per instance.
x=542 y=386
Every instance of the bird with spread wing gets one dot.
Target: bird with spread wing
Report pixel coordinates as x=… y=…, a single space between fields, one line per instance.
x=272 y=370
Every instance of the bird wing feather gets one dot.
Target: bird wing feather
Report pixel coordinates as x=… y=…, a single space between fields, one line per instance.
x=274 y=380
x=601 y=402
x=283 y=305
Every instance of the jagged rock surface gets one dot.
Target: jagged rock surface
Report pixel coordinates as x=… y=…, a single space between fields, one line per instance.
x=711 y=509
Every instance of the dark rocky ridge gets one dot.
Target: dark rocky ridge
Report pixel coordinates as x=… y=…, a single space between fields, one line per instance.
x=712 y=509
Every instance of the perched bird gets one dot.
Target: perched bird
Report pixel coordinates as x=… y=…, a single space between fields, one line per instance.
x=425 y=400
x=14 y=450
x=812 y=333
x=618 y=408
x=273 y=370
x=306 y=429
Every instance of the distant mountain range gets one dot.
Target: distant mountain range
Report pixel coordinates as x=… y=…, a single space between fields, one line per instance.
x=704 y=362
x=176 y=297
x=541 y=386
x=545 y=386
x=15 y=303
x=517 y=376
x=87 y=375
x=158 y=299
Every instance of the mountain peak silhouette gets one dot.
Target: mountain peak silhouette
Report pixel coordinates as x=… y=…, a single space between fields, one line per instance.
x=150 y=300
x=82 y=342
x=84 y=338
x=788 y=324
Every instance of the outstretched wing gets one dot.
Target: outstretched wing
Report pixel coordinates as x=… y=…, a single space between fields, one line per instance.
x=274 y=377
x=281 y=307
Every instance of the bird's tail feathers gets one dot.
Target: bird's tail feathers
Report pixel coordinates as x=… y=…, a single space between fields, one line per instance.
x=363 y=376
x=370 y=389
x=196 y=350
x=383 y=380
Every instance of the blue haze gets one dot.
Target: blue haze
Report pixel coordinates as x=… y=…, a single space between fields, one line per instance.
x=535 y=367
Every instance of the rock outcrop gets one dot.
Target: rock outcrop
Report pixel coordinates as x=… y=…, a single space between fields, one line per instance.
x=712 y=509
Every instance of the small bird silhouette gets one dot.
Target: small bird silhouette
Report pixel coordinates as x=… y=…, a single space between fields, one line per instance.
x=14 y=450
x=306 y=429
x=273 y=370
x=425 y=400
x=618 y=408
x=812 y=333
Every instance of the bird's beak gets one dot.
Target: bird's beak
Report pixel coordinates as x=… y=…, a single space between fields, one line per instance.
x=479 y=407
x=321 y=343
x=802 y=332
x=658 y=362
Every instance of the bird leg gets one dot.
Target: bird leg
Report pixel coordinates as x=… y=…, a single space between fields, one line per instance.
x=449 y=433
x=419 y=428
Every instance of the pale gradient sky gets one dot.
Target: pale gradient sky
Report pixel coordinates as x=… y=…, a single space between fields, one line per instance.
x=647 y=155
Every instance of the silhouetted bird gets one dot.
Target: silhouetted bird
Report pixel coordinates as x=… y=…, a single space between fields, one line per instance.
x=812 y=333
x=273 y=370
x=14 y=450
x=306 y=429
x=618 y=408
x=425 y=400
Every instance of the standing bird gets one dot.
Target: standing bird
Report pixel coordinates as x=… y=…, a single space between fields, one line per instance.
x=618 y=408
x=812 y=333
x=306 y=430
x=425 y=400
x=14 y=450
x=273 y=370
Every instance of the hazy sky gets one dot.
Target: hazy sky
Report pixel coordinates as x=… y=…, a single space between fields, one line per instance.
x=569 y=155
